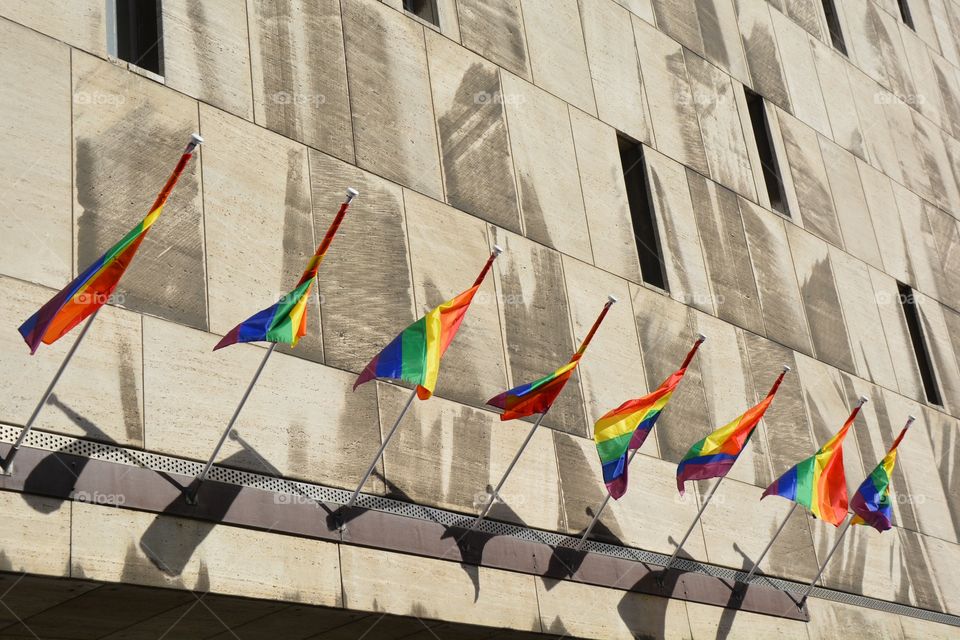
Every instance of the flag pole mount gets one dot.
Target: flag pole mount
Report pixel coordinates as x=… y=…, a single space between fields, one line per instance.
x=497 y=250
x=612 y=299
x=6 y=469
x=351 y=194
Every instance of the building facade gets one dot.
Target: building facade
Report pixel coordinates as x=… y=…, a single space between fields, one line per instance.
x=782 y=176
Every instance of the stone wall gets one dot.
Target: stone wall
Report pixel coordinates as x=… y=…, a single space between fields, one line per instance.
x=500 y=126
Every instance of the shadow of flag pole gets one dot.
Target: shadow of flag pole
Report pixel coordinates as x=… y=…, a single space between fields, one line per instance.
x=92 y=288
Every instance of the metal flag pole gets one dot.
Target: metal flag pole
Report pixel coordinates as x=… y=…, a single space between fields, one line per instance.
x=703 y=507
x=583 y=539
x=496 y=491
x=192 y=495
x=823 y=567
x=7 y=467
x=763 y=555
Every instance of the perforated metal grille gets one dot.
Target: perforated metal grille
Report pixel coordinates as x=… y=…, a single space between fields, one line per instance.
x=169 y=464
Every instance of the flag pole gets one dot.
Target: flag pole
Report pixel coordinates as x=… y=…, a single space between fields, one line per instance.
x=763 y=555
x=583 y=539
x=496 y=491
x=823 y=567
x=7 y=467
x=192 y=495
x=703 y=507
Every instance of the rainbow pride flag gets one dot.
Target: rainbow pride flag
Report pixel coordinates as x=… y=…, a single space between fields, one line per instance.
x=819 y=482
x=286 y=321
x=871 y=503
x=538 y=396
x=713 y=456
x=626 y=428
x=92 y=289
x=414 y=355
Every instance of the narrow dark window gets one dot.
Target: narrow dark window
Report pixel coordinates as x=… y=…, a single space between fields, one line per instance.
x=768 y=155
x=641 y=211
x=927 y=375
x=833 y=24
x=905 y=14
x=423 y=9
x=139 y=34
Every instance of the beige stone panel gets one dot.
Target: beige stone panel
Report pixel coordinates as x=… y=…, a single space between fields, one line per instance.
x=863 y=42
x=100 y=395
x=206 y=53
x=881 y=203
x=651 y=515
x=897 y=336
x=917 y=564
x=643 y=9
x=256 y=183
x=939 y=325
x=678 y=19
x=437 y=589
x=682 y=256
x=535 y=320
x=926 y=98
x=918 y=629
x=108 y=545
x=947 y=556
x=472 y=125
x=850 y=202
x=806 y=165
x=829 y=405
x=558 y=54
x=729 y=390
x=922 y=14
x=495 y=30
x=36 y=534
x=725 y=251
x=368 y=261
x=393 y=124
x=300 y=74
x=804 y=13
x=737 y=527
x=550 y=197
x=707 y=622
x=906 y=137
x=613 y=372
x=761 y=51
x=35 y=109
x=830 y=620
x=888 y=33
x=925 y=268
x=326 y=435
x=81 y=24
x=801 y=74
x=447 y=251
x=605 y=196
x=949 y=84
x=864 y=326
x=667 y=331
x=920 y=494
x=867 y=561
x=587 y=611
x=721 y=37
x=128 y=134
x=720 y=125
x=931 y=143
x=821 y=301
x=838 y=98
x=672 y=103
x=946 y=236
x=878 y=140
x=617 y=83
x=942 y=14
x=449 y=456
x=942 y=437
x=779 y=295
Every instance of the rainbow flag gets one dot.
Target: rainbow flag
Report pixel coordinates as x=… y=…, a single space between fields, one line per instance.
x=538 y=396
x=414 y=355
x=627 y=427
x=819 y=482
x=871 y=503
x=286 y=321
x=713 y=456
x=92 y=289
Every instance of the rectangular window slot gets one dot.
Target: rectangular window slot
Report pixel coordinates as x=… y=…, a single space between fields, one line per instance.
x=641 y=212
x=909 y=305
x=139 y=34
x=905 y=14
x=426 y=10
x=833 y=25
x=767 y=153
